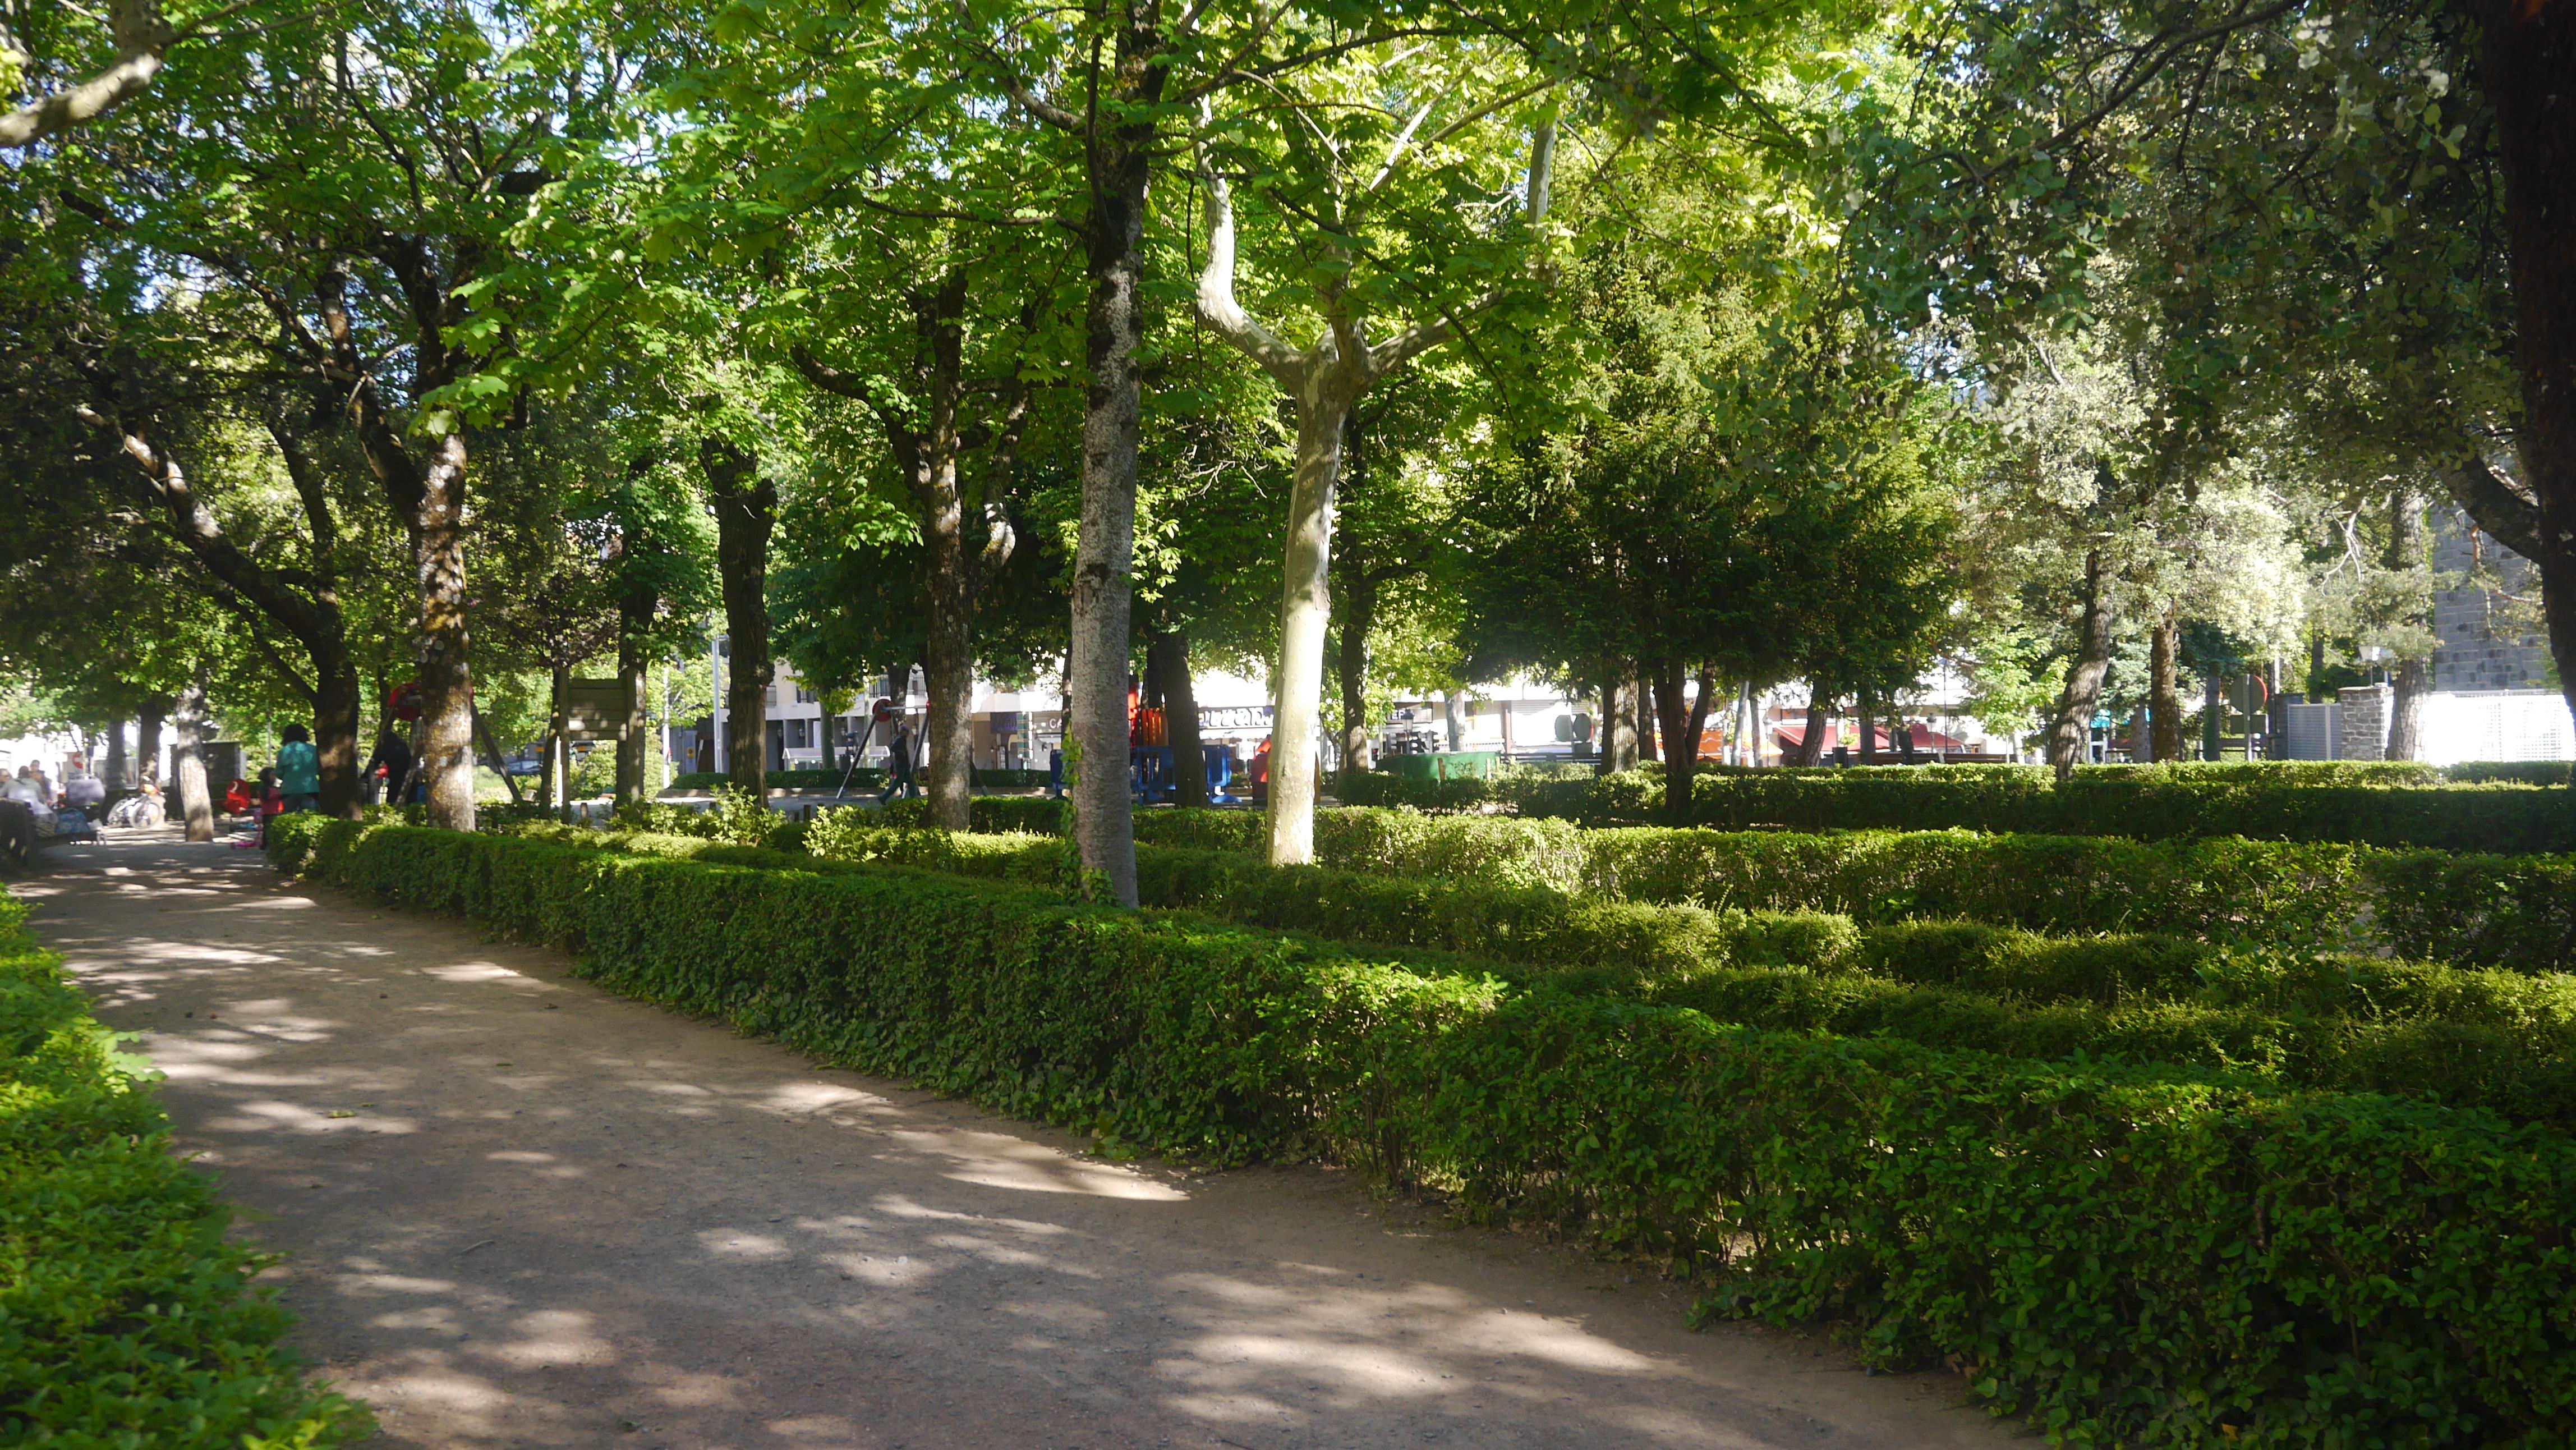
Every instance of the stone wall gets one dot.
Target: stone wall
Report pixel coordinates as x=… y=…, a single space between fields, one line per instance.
x=2365 y=721
x=2486 y=639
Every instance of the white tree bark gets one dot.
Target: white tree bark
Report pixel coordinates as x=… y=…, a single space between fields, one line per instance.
x=1323 y=381
x=142 y=38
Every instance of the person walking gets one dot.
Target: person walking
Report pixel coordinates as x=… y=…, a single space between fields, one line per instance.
x=299 y=771
x=393 y=759
x=898 y=779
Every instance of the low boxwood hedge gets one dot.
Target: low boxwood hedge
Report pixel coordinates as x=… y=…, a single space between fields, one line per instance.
x=2499 y=1040
x=125 y=1317
x=2121 y=1254
x=2495 y=808
x=2509 y=911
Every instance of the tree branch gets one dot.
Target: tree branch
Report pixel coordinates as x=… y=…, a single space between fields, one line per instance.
x=2493 y=503
x=1216 y=294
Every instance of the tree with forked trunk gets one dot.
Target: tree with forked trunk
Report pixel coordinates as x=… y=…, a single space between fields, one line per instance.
x=1325 y=379
x=934 y=433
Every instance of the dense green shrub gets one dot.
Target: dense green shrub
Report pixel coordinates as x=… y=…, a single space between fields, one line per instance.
x=986 y=812
x=2508 y=911
x=2381 y=803
x=2120 y=1253
x=2525 y=772
x=125 y=1318
x=2494 y=1039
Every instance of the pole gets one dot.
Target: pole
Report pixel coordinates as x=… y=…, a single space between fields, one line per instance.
x=715 y=700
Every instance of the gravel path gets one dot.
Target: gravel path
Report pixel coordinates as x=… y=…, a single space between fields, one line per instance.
x=521 y=1212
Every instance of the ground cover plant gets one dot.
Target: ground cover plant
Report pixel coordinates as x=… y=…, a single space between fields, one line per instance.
x=2133 y=1253
x=126 y=1319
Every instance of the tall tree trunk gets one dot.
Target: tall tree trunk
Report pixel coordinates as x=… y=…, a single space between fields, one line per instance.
x=446 y=671
x=337 y=698
x=2072 y=729
x=1305 y=609
x=147 y=744
x=1811 y=745
x=2528 y=53
x=1867 y=709
x=2410 y=675
x=1122 y=159
x=948 y=656
x=1642 y=696
x=746 y=506
x=637 y=617
x=1618 y=720
x=1169 y=657
x=117 y=773
x=188 y=762
x=1681 y=718
x=2164 y=695
x=1359 y=600
x=1453 y=718
x=557 y=792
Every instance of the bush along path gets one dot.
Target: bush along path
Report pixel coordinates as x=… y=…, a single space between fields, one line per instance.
x=2517 y=912
x=2464 y=1036
x=125 y=1318
x=2118 y=1253
x=2491 y=808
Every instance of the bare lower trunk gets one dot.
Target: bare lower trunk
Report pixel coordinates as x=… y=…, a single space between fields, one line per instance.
x=2164 y=696
x=1453 y=715
x=1170 y=654
x=2412 y=677
x=1867 y=709
x=1642 y=695
x=1681 y=718
x=336 y=699
x=1618 y=722
x=1811 y=746
x=116 y=773
x=1105 y=553
x=2528 y=51
x=631 y=722
x=1305 y=609
x=746 y=507
x=446 y=674
x=558 y=786
x=2071 y=729
x=1359 y=598
x=188 y=763
x=147 y=746
x=948 y=659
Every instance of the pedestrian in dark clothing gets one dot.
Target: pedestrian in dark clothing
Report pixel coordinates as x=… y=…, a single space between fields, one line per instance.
x=898 y=779
x=392 y=757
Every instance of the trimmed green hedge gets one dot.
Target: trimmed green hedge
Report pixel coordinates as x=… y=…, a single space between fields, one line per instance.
x=125 y=1318
x=2118 y=1253
x=987 y=812
x=2507 y=911
x=2495 y=1039
x=2377 y=804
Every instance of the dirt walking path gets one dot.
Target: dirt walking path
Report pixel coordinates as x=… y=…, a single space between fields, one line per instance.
x=522 y=1212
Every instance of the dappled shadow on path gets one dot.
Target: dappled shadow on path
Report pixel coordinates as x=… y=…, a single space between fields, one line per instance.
x=522 y=1212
